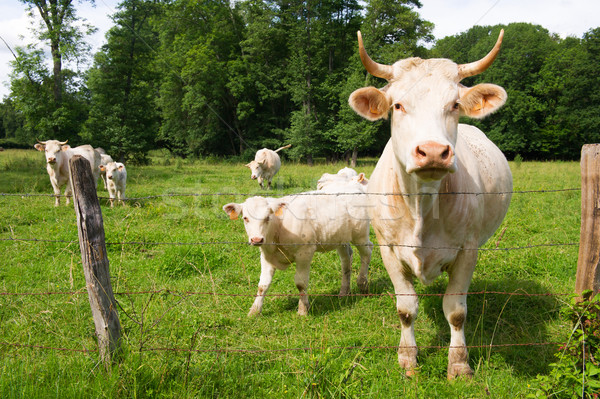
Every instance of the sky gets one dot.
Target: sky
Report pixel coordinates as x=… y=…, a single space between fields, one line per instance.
x=564 y=17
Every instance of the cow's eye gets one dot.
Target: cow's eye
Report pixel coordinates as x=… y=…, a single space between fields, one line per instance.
x=399 y=107
x=246 y=220
x=456 y=106
x=267 y=219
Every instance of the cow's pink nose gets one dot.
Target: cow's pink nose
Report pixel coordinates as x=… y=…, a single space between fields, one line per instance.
x=256 y=240
x=253 y=177
x=432 y=155
x=51 y=160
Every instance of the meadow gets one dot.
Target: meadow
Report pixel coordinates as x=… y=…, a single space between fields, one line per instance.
x=184 y=284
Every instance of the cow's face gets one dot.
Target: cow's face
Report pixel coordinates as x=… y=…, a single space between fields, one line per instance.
x=52 y=150
x=259 y=215
x=256 y=169
x=112 y=169
x=426 y=100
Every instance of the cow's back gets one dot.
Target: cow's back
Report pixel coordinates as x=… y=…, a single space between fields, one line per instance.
x=269 y=159
x=92 y=155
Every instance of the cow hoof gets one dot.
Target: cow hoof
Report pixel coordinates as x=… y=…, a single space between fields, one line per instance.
x=363 y=287
x=409 y=364
x=459 y=370
x=344 y=291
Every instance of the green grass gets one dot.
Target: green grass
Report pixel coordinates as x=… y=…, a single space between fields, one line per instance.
x=342 y=346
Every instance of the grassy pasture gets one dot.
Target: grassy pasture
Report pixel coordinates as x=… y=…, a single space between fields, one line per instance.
x=342 y=349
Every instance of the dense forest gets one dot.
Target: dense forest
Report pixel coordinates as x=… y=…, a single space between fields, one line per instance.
x=222 y=78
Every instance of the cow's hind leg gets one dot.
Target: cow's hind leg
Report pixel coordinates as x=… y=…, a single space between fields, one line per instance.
x=407 y=306
x=345 y=253
x=455 y=310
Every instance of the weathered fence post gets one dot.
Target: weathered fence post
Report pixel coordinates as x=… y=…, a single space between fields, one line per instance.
x=588 y=272
x=94 y=259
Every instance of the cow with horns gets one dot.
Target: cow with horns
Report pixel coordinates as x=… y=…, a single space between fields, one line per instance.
x=58 y=155
x=423 y=208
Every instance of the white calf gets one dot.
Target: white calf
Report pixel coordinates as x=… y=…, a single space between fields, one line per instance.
x=116 y=176
x=293 y=228
x=266 y=164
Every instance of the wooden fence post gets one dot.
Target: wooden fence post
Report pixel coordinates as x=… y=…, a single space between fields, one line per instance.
x=94 y=259
x=588 y=271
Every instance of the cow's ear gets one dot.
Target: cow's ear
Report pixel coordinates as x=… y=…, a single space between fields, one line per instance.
x=39 y=147
x=121 y=166
x=102 y=168
x=248 y=166
x=361 y=177
x=65 y=147
x=278 y=208
x=481 y=100
x=370 y=103
x=233 y=210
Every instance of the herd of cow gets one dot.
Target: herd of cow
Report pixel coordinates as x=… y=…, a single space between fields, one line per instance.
x=439 y=191
x=58 y=154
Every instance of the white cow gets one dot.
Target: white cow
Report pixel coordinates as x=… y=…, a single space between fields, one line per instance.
x=58 y=155
x=266 y=164
x=423 y=229
x=293 y=228
x=105 y=159
x=344 y=175
x=116 y=180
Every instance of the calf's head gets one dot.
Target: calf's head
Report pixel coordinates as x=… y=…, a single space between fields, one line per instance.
x=426 y=99
x=52 y=149
x=259 y=215
x=112 y=169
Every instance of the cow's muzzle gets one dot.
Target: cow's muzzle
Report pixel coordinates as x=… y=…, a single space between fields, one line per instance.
x=257 y=240
x=52 y=160
x=432 y=160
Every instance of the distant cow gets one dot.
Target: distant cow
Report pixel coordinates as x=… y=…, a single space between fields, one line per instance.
x=105 y=159
x=266 y=164
x=425 y=209
x=116 y=180
x=58 y=155
x=342 y=176
x=293 y=228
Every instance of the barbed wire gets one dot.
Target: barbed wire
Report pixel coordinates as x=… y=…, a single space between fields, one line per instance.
x=296 y=349
x=310 y=193
x=175 y=243
x=224 y=294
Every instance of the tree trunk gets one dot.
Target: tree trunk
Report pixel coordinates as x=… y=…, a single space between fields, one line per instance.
x=354 y=156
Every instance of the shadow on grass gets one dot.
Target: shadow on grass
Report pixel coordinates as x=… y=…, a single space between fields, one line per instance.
x=503 y=318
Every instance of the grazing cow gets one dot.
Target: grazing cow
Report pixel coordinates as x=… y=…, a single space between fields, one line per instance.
x=293 y=228
x=422 y=227
x=58 y=155
x=105 y=159
x=266 y=164
x=116 y=180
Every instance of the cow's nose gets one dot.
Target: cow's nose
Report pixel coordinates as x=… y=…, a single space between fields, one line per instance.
x=51 y=160
x=110 y=177
x=253 y=177
x=257 y=240
x=432 y=155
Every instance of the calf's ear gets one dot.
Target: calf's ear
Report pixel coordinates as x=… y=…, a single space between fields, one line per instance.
x=121 y=166
x=65 y=147
x=39 y=147
x=102 y=168
x=233 y=210
x=481 y=100
x=370 y=103
x=278 y=208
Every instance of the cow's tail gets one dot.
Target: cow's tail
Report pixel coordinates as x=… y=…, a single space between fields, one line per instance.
x=283 y=148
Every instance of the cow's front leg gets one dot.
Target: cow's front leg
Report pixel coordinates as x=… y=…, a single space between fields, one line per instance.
x=407 y=306
x=303 y=260
x=455 y=310
x=365 y=250
x=56 y=189
x=345 y=253
x=68 y=192
x=260 y=182
x=266 y=277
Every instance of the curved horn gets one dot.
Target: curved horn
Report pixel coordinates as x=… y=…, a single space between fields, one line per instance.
x=475 y=68
x=64 y=142
x=375 y=69
x=41 y=142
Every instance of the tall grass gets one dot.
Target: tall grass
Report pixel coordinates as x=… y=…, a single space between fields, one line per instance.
x=344 y=348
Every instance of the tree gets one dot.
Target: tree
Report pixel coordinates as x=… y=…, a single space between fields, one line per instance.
x=52 y=103
x=124 y=83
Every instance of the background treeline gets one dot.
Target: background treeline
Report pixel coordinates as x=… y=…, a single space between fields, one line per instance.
x=214 y=77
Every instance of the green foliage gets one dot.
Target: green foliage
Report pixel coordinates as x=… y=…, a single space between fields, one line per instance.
x=576 y=372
